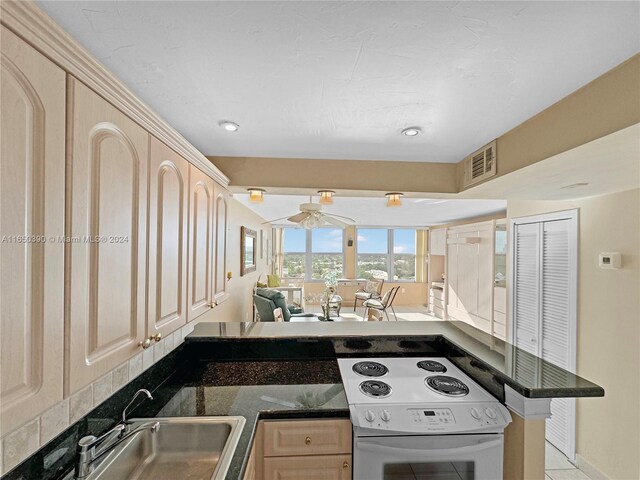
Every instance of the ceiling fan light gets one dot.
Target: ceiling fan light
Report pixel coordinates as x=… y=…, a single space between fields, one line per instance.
x=326 y=196
x=256 y=195
x=393 y=199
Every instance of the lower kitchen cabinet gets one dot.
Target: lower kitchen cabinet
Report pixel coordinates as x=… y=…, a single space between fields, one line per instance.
x=315 y=467
x=313 y=449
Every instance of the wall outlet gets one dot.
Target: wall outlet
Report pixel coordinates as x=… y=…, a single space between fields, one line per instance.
x=403 y=290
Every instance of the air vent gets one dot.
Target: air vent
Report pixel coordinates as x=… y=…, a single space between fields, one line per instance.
x=480 y=165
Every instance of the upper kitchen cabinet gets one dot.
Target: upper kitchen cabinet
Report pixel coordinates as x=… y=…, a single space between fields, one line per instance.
x=201 y=243
x=32 y=229
x=222 y=217
x=106 y=191
x=168 y=240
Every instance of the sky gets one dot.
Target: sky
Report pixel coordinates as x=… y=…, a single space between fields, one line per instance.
x=329 y=240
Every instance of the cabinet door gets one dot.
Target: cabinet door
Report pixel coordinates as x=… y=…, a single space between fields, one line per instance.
x=32 y=226
x=107 y=188
x=222 y=216
x=168 y=211
x=315 y=467
x=201 y=243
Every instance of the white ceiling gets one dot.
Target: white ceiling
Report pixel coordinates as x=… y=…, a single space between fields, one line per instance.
x=368 y=211
x=341 y=79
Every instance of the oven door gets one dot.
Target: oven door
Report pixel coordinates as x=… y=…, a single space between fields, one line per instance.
x=441 y=457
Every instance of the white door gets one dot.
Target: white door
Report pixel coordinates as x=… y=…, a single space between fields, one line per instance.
x=543 y=307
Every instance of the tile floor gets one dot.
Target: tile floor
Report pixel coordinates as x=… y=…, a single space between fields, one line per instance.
x=558 y=467
x=410 y=313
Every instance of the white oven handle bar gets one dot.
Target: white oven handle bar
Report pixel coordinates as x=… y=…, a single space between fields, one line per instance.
x=412 y=452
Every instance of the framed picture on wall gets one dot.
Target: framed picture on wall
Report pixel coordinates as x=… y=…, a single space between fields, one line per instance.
x=248 y=250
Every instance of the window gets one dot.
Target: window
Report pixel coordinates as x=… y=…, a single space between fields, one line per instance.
x=310 y=254
x=373 y=253
x=294 y=253
x=386 y=253
x=404 y=255
x=326 y=252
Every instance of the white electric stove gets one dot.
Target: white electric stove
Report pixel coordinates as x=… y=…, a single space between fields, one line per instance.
x=412 y=416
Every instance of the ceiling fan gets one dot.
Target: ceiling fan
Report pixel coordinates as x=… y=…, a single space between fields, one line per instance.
x=311 y=216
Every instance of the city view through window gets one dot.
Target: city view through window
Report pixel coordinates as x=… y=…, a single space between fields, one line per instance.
x=381 y=253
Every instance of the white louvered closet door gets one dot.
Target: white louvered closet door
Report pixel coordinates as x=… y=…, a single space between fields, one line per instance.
x=544 y=309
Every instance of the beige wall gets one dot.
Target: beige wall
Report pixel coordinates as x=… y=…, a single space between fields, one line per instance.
x=608 y=429
x=363 y=175
x=239 y=306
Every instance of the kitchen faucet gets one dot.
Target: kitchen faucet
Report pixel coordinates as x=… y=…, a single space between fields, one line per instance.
x=92 y=449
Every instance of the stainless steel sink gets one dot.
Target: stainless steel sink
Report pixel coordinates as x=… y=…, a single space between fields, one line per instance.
x=182 y=448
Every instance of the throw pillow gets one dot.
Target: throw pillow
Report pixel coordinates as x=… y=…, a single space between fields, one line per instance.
x=273 y=280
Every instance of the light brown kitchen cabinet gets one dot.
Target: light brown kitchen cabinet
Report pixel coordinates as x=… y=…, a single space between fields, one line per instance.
x=315 y=449
x=107 y=197
x=168 y=239
x=201 y=243
x=321 y=467
x=32 y=226
x=222 y=219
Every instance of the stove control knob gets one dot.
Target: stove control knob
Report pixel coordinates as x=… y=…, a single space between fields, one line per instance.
x=385 y=415
x=491 y=413
x=475 y=413
x=369 y=416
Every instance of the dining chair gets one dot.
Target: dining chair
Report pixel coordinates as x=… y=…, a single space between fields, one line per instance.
x=372 y=289
x=382 y=304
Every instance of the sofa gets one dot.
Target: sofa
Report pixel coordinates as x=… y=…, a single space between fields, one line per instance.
x=266 y=300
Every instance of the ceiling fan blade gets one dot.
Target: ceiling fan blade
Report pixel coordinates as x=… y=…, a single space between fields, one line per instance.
x=274 y=220
x=334 y=221
x=339 y=216
x=298 y=217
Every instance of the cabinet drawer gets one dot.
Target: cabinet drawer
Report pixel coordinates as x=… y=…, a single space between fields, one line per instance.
x=499 y=317
x=437 y=311
x=318 y=467
x=306 y=437
x=437 y=293
x=436 y=302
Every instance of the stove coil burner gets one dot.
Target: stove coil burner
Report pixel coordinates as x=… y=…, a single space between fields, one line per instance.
x=446 y=385
x=370 y=369
x=375 y=388
x=432 y=366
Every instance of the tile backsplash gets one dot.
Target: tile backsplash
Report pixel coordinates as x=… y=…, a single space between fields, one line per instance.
x=21 y=443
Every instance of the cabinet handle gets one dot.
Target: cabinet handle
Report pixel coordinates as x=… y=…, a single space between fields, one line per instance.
x=345 y=465
x=307 y=440
x=156 y=338
x=145 y=344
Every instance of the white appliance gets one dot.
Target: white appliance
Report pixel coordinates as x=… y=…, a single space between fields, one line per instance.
x=416 y=418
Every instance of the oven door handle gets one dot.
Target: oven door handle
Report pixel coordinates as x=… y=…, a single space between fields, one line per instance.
x=475 y=448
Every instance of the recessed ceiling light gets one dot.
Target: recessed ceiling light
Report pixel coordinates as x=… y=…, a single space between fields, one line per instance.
x=229 y=126
x=574 y=185
x=412 y=131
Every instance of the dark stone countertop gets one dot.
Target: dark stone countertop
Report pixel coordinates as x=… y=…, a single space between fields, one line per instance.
x=253 y=390
x=490 y=361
